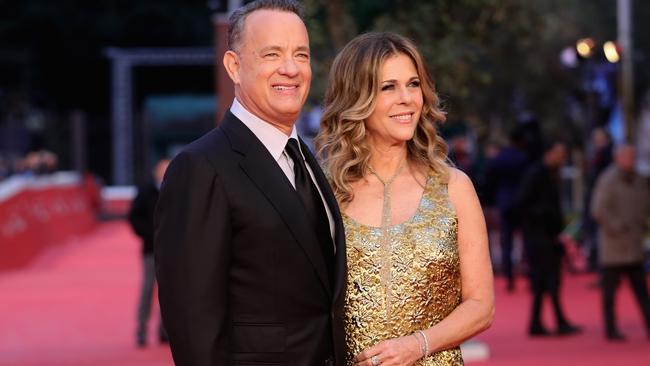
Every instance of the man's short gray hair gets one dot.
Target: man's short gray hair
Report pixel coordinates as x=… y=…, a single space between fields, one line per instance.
x=238 y=17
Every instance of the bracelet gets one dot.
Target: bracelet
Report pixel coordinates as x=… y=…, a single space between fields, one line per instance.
x=425 y=347
x=419 y=344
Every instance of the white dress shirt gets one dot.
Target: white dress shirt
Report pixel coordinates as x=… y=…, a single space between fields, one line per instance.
x=275 y=141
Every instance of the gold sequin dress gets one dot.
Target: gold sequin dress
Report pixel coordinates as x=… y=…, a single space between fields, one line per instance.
x=404 y=278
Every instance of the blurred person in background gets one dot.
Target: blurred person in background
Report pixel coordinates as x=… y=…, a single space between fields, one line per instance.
x=600 y=157
x=538 y=203
x=532 y=133
x=5 y=170
x=460 y=154
x=92 y=186
x=48 y=162
x=35 y=163
x=141 y=219
x=643 y=137
x=503 y=178
x=620 y=205
x=29 y=166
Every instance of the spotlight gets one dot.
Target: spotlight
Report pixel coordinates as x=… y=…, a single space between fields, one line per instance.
x=611 y=52
x=585 y=47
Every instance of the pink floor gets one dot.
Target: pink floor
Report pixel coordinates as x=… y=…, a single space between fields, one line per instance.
x=509 y=344
x=76 y=306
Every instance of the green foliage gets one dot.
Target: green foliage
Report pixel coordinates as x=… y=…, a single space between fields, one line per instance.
x=490 y=58
x=483 y=54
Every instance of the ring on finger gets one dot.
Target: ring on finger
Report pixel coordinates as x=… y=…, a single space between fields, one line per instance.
x=375 y=360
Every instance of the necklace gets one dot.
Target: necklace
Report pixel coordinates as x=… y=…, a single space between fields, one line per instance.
x=386 y=247
x=386 y=211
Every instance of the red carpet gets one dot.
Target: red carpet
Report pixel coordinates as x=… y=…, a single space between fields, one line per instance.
x=509 y=344
x=76 y=306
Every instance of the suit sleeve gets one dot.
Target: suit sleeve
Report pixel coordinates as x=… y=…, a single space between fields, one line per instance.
x=523 y=196
x=137 y=215
x=192 y=254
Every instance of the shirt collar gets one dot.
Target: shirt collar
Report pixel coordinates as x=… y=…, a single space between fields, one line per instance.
x=273 y=139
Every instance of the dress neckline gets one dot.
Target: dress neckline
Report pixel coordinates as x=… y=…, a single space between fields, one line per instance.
x=427 y=185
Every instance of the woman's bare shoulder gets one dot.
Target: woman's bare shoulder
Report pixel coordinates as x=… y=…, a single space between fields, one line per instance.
x=458 y=180
x=461 y=191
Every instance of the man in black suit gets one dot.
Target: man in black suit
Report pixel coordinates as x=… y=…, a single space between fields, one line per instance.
x=141 y=219
x=249 y=245
x=538 y=202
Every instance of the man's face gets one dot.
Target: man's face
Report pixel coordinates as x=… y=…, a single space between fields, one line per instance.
x=160 y=169
x=557 y=155
x=274 y=73
x=561 y=154
x=625 y=158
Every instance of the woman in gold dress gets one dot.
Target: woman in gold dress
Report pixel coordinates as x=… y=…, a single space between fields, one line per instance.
x=419 y=273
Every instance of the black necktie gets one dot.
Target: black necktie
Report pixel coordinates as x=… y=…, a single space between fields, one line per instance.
x=313 y=203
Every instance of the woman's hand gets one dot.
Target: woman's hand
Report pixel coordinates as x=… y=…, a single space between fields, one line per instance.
x=402 y=351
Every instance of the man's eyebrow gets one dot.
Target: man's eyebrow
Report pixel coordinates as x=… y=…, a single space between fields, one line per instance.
x=278 y=48
x=270 y=48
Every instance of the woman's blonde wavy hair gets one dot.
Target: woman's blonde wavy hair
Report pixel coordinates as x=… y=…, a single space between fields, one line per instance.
x=351 y=98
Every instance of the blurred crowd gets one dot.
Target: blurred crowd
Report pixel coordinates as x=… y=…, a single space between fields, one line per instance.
x=538 y=224
x=34 y=163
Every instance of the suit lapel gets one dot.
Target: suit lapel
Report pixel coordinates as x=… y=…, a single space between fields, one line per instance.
x=265 y=173
x=339 y=233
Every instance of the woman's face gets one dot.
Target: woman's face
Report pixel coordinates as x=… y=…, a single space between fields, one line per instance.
x=399 y=102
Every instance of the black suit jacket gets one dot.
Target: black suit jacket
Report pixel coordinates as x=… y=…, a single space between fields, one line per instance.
x=141 y=215
x=538 y=202
x=242 y=280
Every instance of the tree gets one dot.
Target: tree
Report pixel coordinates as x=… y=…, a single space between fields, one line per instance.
x=491 y=59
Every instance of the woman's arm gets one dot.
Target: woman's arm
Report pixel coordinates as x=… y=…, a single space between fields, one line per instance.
x=476 y=310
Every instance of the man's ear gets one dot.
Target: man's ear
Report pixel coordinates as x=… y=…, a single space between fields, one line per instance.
x=232 y=65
